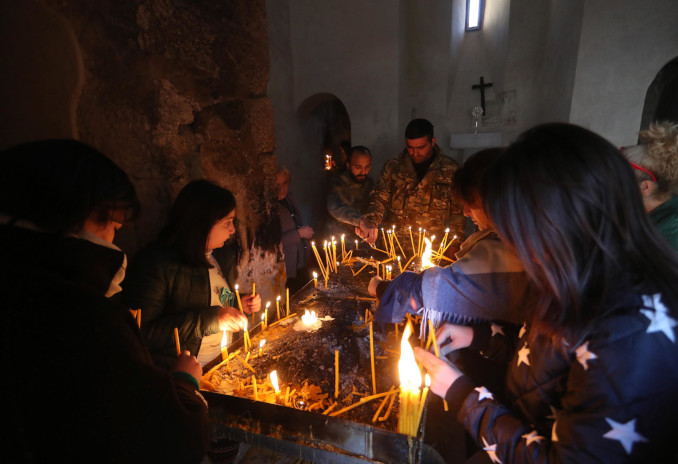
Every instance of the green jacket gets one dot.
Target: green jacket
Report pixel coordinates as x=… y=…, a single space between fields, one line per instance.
x=430 y=204
x=665 y=219
x=347 y=201
x=173 y=294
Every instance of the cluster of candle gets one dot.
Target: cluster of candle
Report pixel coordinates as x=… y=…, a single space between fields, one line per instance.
x=412 y=399
x=330 y=264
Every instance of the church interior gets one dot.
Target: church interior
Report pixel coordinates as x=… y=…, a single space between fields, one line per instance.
x=228 y=90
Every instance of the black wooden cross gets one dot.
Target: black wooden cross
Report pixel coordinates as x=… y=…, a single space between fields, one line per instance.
x=482 y=86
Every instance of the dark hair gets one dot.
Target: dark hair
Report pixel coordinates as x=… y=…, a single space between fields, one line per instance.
x=418 y=128
x=467 y=179
x=567 y=201
x=58 y=184
x=358 y=149
x=199 y=206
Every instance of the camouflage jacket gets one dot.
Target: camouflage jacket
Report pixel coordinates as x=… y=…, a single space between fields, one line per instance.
x=430 y=204
x=348 y=199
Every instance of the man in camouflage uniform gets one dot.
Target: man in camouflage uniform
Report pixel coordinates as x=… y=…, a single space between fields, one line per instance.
x=350 y=192
x=415 y=190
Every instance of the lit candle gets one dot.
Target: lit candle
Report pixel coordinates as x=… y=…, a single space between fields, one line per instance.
x=419 y=242
x=336 y=373
x=261 y=346
x=383 y=236
x=334 y=254
x=356 y=245
x=400 y=267
x=263 y=322
x=287 y=307
x=246 y=338
x=237 y=295
x=410 y=381
x=268 y=303
x=317 y=257
x=422 y=403
x=343 y=249
x=274 y=381
x=315 y=279
x=277 y=306
x=224 y=347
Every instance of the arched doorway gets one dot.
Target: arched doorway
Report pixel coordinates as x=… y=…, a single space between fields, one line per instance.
x=661 y=99
x=325 y=129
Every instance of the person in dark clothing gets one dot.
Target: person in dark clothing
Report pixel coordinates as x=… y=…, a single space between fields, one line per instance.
x=594 y=375
x=82 y=384
x=182 y=280
x=295 y=234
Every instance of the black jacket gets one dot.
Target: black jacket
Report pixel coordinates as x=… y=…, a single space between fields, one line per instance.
x=79 y=383
x=171 y=293
x=610 y=397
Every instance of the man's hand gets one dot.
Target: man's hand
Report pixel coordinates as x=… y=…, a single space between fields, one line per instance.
x=368 y=231
x=251 y=304
x=305 y=232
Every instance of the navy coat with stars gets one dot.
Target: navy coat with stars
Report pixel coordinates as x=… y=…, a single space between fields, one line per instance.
x=609 y=398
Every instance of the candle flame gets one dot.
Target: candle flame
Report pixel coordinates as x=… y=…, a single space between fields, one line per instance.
x=262 y=343
x=278 y=298
x=427 y=380
x=224 y=340
x=236 y=287
x=274 y=380
x=268 y=303
x=426 y=256
x=410 y=376
x=315 y=276
x=309 y=318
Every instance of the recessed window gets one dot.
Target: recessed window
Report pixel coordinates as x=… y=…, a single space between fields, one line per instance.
x=474 y=14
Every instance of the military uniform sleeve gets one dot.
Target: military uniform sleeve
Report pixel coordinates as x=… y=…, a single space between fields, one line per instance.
x=337 y=206
x=381 y=194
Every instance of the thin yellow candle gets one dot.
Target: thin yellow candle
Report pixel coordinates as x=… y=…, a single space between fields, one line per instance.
x=422 y=403
x=400 y=267
x=254 y=289
x=343 y=248
x=412 y=241
x=317 y=257
x=246 y=338
x=254 y=383
x=383 y=236
x=315 y=279
x=261 y=346
x=224 y=347
x=327 y=258
x=277 y=306
x=334 y=254
x=176 y=341
x=448 y=245
x=432 y=335
x=237 y=295
x=419 y=242
x=423 y=240
x=336 y=373
x=287 y=307
x=374 y=379
x=268 y=303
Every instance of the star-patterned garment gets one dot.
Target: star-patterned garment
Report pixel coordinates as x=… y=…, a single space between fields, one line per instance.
x=611 y=396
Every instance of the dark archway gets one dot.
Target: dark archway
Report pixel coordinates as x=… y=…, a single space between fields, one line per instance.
x=661 y=99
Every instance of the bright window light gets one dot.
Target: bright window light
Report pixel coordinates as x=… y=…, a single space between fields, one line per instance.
x=474 y=14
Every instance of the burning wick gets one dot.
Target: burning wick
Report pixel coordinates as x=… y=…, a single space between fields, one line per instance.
x=309 y=318
x=274 y=381
x=261 y=345
x=315 y=279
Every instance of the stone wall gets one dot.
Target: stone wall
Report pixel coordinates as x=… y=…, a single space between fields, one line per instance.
x=174 y=91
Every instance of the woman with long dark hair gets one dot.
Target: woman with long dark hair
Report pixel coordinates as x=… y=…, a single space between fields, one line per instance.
x=594 y=377
x=179 y=282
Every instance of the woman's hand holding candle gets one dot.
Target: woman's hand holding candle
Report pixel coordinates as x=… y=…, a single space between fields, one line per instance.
x=442 y=372
x=251 y=303
x=231 y=319
x=452 y=337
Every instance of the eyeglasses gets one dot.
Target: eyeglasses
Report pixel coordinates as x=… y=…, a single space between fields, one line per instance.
x=639 y=168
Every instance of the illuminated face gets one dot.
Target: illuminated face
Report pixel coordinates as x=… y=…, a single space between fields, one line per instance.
x=221 y=231
x=477 y=215
x=360 y=166
x=283 y=182
x=420 y=149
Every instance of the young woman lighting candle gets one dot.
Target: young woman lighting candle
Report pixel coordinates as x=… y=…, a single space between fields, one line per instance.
x=183 y=281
